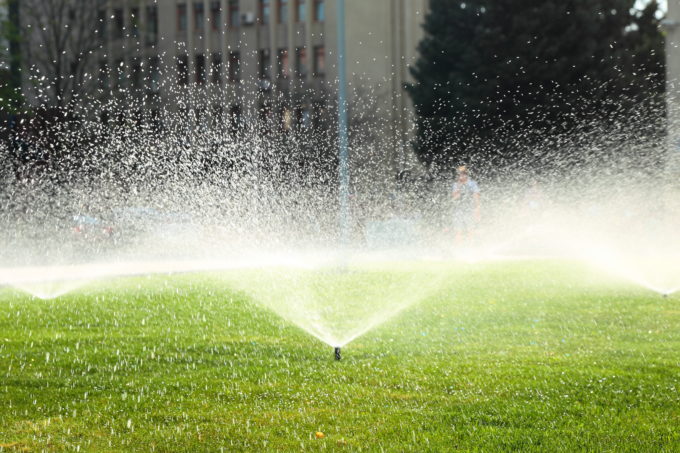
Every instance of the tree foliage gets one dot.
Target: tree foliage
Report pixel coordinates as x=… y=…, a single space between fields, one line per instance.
x=534 y=67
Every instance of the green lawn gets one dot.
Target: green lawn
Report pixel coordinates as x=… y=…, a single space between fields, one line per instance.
x=538 y=356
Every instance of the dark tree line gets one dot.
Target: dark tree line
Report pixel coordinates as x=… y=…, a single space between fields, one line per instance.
x=493 y=70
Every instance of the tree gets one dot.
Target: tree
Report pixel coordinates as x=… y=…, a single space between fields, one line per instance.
x=10 y=76
x=60 y=37
x=489 y=69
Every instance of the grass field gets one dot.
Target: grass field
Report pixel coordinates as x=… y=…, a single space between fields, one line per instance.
x=534 y=356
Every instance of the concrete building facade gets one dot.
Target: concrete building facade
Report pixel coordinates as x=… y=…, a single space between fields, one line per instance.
x=256 y=51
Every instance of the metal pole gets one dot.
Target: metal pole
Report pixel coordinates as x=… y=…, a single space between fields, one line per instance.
x=343 y=141
x=14 y=54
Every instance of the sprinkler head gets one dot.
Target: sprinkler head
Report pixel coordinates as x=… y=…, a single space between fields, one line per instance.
x=338 y=356
x=665 y=295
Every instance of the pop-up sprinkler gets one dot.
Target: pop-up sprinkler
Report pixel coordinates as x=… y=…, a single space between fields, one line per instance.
x=338 y=355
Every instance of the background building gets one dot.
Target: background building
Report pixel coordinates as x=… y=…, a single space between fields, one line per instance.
x=259 y=59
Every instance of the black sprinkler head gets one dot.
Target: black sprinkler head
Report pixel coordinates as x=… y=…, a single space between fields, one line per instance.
x=338 y=355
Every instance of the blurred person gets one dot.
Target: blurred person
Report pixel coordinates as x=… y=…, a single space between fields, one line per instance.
x=467 y=206
x=533 y=197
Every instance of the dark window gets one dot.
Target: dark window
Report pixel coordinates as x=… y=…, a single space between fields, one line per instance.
x=304 y=118
x=215 y=15
x=134 y=22
x=151 y=25
x=120 y=74
x=199 y=16
x=301 y=11
x=217 y=114
x=265 y=64
x=319 y=61
x=301 y=62
x=199 y=114
x=103 y=75
x=200 y=69
x=154 y=75
x=265 y=114
x=101 y=25
x=216 y=68
x=264 y=11
x=118 y=23
x=182 y=70
x=182 y=17
x=283 y=11
x=136 y=74
x=233 y=13
x=155 y=118
x=235 y=118
x=318 y=115
x=283 y=69
x=234 y=67
x=319 y=10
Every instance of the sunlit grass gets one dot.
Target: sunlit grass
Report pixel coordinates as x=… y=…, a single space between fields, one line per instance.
x=507 y=356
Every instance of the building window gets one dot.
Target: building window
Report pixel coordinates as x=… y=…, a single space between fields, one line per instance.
x=101 y=25
x=217 y=114
x=118 y=23
x=319 y=115
x=234 y=67
x=319 y=10
x=200 y=69
x=301 y=11
x=301 y=62
x=319 y=61
x=120 y=74
x=182 y=70
x=265 y=64
x=265 y=114
x=103 y=75
x=199 y=16
x=283 y=11
x=182 y=17
x=282 y=62
x=154 y=75
x=151 y=25
x=215 y=15
x=134 y=22
x=304 y=119
x=235 y=118
x=216 y=68
x=136 y=74
x=264 y=12
x=233 y=13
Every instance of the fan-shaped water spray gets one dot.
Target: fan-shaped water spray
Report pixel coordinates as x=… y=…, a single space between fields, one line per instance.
x=116 y=194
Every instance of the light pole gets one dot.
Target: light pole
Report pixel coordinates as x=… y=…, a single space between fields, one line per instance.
x=343 y=139
x=671 y=26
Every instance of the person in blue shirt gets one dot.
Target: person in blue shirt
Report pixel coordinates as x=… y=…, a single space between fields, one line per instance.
x=467 y=205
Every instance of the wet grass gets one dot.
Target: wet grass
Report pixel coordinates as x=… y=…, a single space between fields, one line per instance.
x=506 y=356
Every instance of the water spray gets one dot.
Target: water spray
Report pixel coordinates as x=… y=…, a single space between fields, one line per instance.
x=338 y=354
